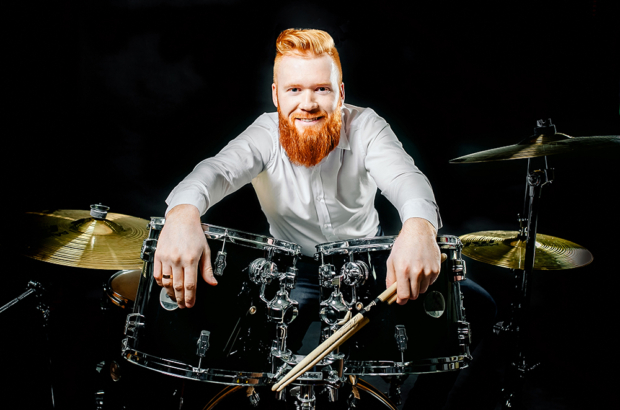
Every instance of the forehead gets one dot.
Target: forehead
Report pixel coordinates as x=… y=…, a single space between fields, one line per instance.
x=294 y=69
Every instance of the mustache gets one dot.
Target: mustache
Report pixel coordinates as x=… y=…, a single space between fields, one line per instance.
x=308 y=116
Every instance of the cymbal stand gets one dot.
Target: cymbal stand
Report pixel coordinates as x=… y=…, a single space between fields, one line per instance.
x=518 y=364
x=35 y=288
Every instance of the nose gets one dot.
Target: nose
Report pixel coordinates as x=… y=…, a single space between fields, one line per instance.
x=308 y=101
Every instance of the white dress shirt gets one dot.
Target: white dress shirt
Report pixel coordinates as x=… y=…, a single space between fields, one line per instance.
x=331 y=201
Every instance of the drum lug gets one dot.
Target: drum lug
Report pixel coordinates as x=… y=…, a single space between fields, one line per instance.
x=156 y=223
x=147 y=253
x=401 y=341
x=220 y=263
x=203 y=343
x=401 y=337
x=458 y=269
x=252 y=396
x=290 y=277
x=133 y=323
x=328 y=277
x=464 y=334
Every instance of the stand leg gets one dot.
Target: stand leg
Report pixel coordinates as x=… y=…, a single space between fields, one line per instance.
x=45 y=312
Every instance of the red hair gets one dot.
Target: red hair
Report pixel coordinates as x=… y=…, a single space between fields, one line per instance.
x=306 y=43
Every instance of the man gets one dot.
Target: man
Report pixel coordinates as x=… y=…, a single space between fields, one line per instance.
x=315 y=166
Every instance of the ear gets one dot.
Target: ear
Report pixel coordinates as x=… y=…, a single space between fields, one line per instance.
x=342 y=92
x=274 y=94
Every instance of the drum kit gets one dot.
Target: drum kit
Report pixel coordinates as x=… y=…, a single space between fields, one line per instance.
x=236 y=334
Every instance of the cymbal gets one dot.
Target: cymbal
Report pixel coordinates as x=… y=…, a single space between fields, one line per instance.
x=83 y=239
x=539 y=146
x=507 y=249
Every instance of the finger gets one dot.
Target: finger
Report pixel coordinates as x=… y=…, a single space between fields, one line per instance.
x=206 y=270
x=157 y=272
x=390 y=276
x=444 y=257
x=415 y=284
x=425 y=282
x=402 y=289
x=167 y=280
x=190 y=276
x=177 y=285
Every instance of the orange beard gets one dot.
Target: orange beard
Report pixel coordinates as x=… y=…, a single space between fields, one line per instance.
x=315 y=143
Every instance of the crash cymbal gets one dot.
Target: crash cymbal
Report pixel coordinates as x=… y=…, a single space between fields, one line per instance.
x=83 y=239
x=539 y=146
x=507 y=249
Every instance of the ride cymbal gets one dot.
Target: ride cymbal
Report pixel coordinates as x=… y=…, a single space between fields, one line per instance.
x=539 y=146
x=507 y=249
x=83 y=239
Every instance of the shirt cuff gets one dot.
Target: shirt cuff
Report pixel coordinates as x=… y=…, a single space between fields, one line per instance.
x=421 y=208
x=191 y=198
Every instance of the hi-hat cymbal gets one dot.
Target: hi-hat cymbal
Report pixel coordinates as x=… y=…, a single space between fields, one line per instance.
x=539 y=146
x=77 y=238
x=507 y=249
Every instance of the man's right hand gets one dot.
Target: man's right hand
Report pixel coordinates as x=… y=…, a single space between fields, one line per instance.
x=182 y=249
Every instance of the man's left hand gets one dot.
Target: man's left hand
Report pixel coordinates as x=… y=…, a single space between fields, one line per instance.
x=415 y=259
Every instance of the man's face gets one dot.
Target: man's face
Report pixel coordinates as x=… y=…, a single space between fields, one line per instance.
x=307 y=90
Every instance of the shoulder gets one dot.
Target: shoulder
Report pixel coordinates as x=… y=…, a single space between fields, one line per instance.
x=267 y=121
x=362 y=122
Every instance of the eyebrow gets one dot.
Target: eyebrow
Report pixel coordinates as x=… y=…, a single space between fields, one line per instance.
x=301 y=86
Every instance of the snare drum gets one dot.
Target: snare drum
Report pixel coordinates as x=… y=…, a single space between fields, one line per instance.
x=227 y=336
x=425 y=335
x=123 y=287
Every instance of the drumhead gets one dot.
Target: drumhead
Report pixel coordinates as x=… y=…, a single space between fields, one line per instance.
x=378 y=243
x=250 y=240
x=123 y=287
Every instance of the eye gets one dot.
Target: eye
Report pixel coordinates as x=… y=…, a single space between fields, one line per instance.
x=323 y=89
x=293 y=89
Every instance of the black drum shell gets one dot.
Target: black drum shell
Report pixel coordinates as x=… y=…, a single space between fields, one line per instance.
x=232 y=311
x=430 y=339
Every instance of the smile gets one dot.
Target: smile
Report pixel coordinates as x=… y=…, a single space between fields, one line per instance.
x=309 y=119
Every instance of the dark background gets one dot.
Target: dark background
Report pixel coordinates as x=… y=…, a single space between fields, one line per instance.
x=116 y=101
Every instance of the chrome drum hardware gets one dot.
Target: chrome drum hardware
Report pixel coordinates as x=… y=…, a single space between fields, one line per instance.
x=426 y=335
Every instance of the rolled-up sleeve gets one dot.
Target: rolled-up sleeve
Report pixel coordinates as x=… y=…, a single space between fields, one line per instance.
x=397 y=176
x=233 y=167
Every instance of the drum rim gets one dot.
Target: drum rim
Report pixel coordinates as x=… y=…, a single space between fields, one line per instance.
x=378 y=243
x=361 y=384
x=249 y=239
x=393 y=368
x=116 y=298
x=176 y=368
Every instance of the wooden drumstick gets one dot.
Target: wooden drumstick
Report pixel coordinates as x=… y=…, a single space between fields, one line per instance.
x=332 y=342
x=308 y=362
x=339 y=337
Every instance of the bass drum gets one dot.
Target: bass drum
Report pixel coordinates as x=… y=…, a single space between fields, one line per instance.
x=236 y=397
x=226 y=337
x=425 y=335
